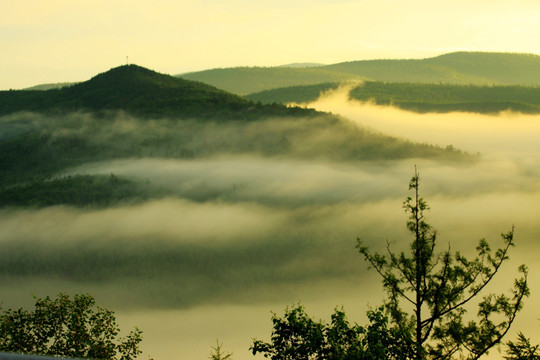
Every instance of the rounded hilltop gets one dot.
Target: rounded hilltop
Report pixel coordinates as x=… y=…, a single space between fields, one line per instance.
x=144 y=93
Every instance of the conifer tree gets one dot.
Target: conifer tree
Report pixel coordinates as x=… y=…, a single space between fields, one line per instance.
x=439 y=287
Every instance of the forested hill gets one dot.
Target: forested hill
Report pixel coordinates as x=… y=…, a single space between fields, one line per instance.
x=443 y=98
x=480 y=68
x=419 y=97
x=247 y=80
x=134 y=114
x=142 y=92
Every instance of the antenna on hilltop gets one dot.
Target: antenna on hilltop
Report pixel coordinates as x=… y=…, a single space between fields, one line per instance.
x=127 y=60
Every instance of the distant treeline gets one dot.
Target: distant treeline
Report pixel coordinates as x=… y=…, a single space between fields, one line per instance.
x=293 y=94
x=420 y=97
x=77 y=190
x=445 y=97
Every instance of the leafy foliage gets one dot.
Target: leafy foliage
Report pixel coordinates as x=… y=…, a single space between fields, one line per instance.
x=438 y=286
x=299 y=337
x=70 y=327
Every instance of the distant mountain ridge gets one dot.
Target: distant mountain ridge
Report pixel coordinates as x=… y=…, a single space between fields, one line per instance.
x=301 y=65
x=479 y=68
x=50 y=86
x=246 y=80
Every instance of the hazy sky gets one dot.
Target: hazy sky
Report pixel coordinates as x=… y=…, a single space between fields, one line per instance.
x=64 y=40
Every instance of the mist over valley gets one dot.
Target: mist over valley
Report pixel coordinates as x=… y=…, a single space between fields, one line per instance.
x=195 y=228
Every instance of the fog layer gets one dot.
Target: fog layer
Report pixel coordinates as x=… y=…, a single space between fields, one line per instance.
x=227 y=237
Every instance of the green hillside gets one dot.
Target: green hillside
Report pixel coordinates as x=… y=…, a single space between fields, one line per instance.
x=420 y=97
x=140 y=92
x=246 y=80
x=78 y=190
x=499 y=68
x=292 y=94
x=134 y=113
x=445 y=98
x=481 y=68
x=455 y=68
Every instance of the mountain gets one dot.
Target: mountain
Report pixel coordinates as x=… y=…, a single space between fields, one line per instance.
x=480 y=68
x=142 y=92
x=134 y=114
x=500 y=68
x=246 y=80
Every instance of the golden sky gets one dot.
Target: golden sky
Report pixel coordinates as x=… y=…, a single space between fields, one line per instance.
x=64 y=40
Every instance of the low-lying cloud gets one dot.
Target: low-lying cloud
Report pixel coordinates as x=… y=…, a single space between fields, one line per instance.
x=493 y=136
x=248 y=232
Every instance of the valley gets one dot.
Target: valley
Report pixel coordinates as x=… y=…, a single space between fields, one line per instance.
x=187 y=224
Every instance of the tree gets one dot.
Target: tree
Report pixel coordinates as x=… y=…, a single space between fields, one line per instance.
x=522 y=349
x=71 y=327
x=296 y=336
x=439 y=288
x=218 y=353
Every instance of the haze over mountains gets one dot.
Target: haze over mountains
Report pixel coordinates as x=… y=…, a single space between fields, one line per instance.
x=131 y=140
x=130 y=111
x=417 y=97
x=196 y=208
x=461 y=81
x=478 y=68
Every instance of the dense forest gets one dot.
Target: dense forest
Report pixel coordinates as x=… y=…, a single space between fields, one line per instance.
x=419 y=97
x=293 y=94
x=144 y=93
x=446 y=98
x=76 y=190
x=53 y=144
